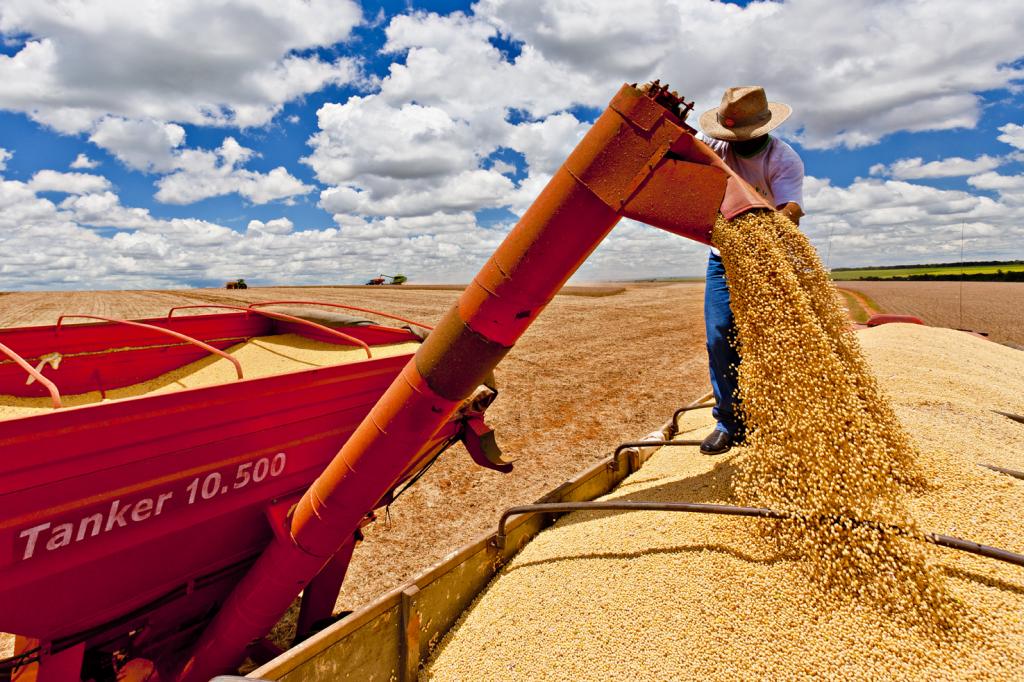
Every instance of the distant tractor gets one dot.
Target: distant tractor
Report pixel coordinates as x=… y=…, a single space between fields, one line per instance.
x=383 y=279
x=237 y=284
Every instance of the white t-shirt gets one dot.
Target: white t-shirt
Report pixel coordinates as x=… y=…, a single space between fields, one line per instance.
x=776 y=172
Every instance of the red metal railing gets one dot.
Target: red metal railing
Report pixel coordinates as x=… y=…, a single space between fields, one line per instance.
x=159 y=330
x=281 y=316
x=34 y=373
x=345 y=307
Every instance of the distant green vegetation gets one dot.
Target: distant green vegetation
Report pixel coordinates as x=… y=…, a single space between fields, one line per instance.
x=853 y=305
x=989 y=271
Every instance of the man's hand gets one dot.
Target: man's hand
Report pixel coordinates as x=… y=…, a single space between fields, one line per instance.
x=792 y=211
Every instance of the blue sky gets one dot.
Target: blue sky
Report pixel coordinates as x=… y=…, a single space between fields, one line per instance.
x=182 y=144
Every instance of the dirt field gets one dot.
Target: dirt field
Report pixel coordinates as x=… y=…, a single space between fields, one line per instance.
x=592 y=372
x=993 y=307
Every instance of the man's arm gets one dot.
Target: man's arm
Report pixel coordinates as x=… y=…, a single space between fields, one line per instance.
x=792 y=211
x=719 y=147
x=787 y=183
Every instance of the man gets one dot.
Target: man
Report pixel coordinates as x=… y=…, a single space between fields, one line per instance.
x=738 y=132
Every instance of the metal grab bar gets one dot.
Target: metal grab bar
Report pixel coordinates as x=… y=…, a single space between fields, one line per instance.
x=346 y=307
x=161 y=330
x=627 y=505
x=730 y=510
x=1009 y=415
x=1003 y=470
x=34 y=373
x=698 y=405
x=281 y=316
x=654 y=443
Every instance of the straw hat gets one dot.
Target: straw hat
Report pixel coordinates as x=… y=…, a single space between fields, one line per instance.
x=745 y=113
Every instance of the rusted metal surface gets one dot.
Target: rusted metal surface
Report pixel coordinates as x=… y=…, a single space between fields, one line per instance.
x=739 y=195
x=458 y=358
x=409 y=635
x=680 y=197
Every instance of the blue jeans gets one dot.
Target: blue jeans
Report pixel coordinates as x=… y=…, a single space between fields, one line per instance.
x=723 y=359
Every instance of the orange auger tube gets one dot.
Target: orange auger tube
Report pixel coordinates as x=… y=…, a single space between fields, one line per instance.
x=638 y=159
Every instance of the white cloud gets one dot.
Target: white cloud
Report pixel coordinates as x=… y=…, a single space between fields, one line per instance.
x=503 y=167
x=875 y=221
x=1009 y=187
x=83 y=161
x=193 y=174
x=202 y=174
x=55 y=246
x=547 y=143
x=419 y=145
x=467 y=191
x=366 y=137
x=406 y=165
x=852 y=71
x=5 y=156
x=871 y=221
x=444 y=105
x=69 y=246
x=1013 y=134
x=145 y=145
x=450 y=63
x=228 y=63
x=276 y=226
x=955 y=166
x=68 y=183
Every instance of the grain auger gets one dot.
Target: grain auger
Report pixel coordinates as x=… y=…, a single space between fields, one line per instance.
x=639 y=160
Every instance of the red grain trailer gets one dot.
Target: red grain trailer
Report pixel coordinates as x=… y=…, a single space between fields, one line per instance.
x=124 y=523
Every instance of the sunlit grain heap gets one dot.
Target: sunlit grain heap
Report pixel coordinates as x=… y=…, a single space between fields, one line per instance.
x=662 y=596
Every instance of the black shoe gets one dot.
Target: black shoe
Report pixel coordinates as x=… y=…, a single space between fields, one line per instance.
x=717 y=443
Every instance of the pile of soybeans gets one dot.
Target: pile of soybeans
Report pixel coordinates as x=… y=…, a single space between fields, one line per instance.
x=858 y=435
x=261 y=356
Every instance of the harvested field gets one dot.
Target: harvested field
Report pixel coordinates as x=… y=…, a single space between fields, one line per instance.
x=655 y=595
x=27 y=308
x=991 y=307
x=569 y=290
x=859 y=307
x=590 y=373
